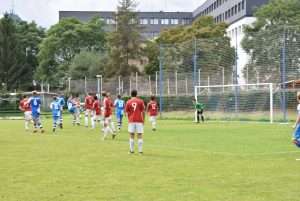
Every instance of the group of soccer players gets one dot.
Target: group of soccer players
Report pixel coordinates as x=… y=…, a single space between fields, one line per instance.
x=99 y=112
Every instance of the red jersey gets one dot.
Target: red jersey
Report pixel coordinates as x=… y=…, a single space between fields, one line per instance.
x=134 y=107
x=89 y=100
x=111 y=104
x=97 y=107
x=152 y=108
x=22 y=104
x=107 y=108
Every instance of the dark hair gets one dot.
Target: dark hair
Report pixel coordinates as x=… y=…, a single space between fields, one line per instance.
x=118 y=96
x=194 y=99
x=96 y=97
x=152 y=98
x=90 y=94
x=104 y=94
x=34 y=93
x=54 y=97
x=24 y=96
x=70 y=95
x=133 y=93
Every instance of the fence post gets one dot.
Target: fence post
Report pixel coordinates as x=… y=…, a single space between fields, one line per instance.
x=235 y=82
x=160 y=80
x=156 y=78
x=223 y=78
x=176 y=85
x=69 y=84
x=284 y=74
x=186 y=85
x=119 y=84
x=150 y=90
x=129 y=86
x=136 y=80
x=168 y=85
x=195 y=62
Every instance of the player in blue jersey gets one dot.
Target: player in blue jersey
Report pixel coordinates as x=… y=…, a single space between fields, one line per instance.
x=56 y=112
x=119 y=104
x=73 y=109
x=296 y=126
x=35 y=103
x=61 y=100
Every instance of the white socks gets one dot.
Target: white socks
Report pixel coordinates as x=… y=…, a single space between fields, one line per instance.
x=131 y=143
x=86 y=121
x=113 y=126
x=140 y=143
x=153 y=125
x=26 y=125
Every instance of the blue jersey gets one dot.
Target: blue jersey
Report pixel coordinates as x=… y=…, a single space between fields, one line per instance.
x=55 y=107
x=69 y=104
x=35 y=103
x=120 y=104
x=61 y=100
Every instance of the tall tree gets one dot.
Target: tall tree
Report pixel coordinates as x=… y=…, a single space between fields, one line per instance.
x=125 y=42
x=11 y=57
x=63 y=41
x=276 y=26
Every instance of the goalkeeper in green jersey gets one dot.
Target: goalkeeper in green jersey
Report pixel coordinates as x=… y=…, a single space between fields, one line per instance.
x=199 y=109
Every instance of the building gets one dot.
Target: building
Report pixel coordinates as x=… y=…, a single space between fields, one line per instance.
x=154 y=22
x=237 y=13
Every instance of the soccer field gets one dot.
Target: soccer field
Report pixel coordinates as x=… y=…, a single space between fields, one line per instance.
x=181 y=161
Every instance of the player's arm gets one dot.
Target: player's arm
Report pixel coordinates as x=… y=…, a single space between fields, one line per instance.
x=21 y=107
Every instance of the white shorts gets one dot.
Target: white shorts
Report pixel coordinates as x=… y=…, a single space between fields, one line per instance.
x=97 y=117
x=27 y=115
x=135 y=127
x=89 y=112
x=106 y=120
x=152 y=118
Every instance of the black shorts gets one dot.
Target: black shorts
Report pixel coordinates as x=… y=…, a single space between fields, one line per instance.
x=199 y=111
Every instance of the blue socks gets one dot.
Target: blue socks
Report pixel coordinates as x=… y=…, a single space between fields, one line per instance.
x=298 y=144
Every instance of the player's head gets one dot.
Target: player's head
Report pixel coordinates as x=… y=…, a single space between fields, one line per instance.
x=133 y=93
x=89 y=94
x=152 y=98
x=24 y=96
x=119 y=96
x=60 y=94
x=194 y=100
x=298 y=96
x=96 y=97
x=34 y=93
x=70 y=96
x=54 y=97
x=104 y=94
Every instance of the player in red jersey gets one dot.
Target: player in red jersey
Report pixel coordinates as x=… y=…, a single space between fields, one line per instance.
x=97 y=110
x=135 y=110
x=111 y=104
x=107 y=111
x=152 y=108
x=27 y=111
x=89 y=101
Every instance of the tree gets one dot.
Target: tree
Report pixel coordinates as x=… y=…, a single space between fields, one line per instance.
x=276 y=26
x=63 y=41
x=152 y=50
x=87 y=64
x=11 y=57
x=212 y=49
x=125 y=42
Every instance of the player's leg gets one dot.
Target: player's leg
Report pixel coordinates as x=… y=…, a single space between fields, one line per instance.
x=86 y=117
x=27 y=119
x=55 y=122
x=112 y=124
x=35 y=121
x=296 y=136
x=140 y=131
x=153 y=123
x=39 y=123
x=131 y=131
x=105 y=128
x=202 y=117
x=198 y=116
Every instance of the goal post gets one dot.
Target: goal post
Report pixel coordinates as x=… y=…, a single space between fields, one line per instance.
x=237 y=102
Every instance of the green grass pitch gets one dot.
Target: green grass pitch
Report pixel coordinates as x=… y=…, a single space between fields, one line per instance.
x=182 y=161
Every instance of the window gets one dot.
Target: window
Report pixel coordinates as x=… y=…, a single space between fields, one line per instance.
x=229 y=13
x=143 y=21
x=226 y=15
x=109 y=20
x=239 y=6
x=174 y=21
x=154 y=34
x=235 y=9
x=185 y=21
x=144 y=34
x=243 y=5
x=232 y=11
x=164 y=21
x=153 y=21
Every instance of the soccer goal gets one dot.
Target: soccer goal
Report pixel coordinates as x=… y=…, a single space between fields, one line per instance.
x=241 y=102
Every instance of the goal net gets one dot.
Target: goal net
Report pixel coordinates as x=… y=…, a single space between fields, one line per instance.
x=242 y=102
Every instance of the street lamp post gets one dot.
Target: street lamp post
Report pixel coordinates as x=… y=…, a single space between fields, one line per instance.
x=99 y=86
